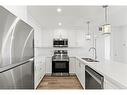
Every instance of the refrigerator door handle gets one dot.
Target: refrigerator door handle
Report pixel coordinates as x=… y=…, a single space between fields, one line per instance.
x=6 y=68
x=32 y=59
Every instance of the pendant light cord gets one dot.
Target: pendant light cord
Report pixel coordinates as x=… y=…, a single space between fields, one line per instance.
x=106 y=13
x=88 y=22
x=106 y=28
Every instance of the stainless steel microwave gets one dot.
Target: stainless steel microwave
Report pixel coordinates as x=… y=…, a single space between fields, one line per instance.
x=60 y=42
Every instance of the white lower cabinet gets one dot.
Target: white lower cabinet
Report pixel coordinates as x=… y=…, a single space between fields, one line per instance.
x=80 y=72
x=72 y=61
x=39 y=70
x=110 y=85
x=48 y=63
x=77 y=68
x=44 y=65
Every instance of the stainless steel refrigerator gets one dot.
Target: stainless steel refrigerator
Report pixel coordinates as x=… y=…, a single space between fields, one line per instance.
x=16 y=52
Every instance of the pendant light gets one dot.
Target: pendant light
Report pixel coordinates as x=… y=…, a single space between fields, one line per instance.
x=106 y=28
x=88 y=34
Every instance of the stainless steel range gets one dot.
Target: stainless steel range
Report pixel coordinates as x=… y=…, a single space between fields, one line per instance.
x=60 y=61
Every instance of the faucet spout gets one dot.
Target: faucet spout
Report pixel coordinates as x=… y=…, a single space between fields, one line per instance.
x=95 y=53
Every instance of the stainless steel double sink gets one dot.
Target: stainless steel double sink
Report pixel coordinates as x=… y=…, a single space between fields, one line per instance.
x=90 y=60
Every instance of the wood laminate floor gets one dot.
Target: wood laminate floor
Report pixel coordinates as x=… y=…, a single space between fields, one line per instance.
x=60 y=82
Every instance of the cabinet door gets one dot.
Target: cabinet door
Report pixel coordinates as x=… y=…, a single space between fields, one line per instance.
x=71 y=39
x=36 y=80
x=36 y=72
x=72 y=65
x=79 y=71
x=110 y=85
x=77 y=68
x=38 y=75
x=39 y=70
x=82 y=74
x=42 y=67
x=48 y=64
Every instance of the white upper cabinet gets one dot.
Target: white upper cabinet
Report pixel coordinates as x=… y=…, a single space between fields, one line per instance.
x=38 y=37
x=71 y=39
x=46 y=36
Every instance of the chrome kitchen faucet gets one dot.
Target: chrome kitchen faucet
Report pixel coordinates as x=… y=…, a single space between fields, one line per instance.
x=95 y=53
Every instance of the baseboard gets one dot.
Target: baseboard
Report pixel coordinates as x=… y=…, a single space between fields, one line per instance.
x=40 y=81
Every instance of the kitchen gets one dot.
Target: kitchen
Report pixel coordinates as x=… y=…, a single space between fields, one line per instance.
x=72 y=42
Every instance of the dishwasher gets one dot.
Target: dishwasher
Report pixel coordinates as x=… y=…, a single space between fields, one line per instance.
x=93 y=80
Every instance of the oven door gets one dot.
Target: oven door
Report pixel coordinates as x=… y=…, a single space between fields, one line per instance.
x=60 y=67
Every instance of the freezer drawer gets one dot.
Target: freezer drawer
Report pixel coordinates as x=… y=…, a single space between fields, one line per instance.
x=20 y=77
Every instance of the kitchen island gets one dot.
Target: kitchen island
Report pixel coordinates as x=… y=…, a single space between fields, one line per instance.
x=115 y=74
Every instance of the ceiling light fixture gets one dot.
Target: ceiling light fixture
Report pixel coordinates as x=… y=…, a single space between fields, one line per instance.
x=59 y=10
x=88 y=34
x=106 y=28
x=60 y=24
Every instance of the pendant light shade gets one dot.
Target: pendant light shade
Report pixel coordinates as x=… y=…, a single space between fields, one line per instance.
x=106 y=28
x=88 y=36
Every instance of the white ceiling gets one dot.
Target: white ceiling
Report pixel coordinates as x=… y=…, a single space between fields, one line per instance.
x=77 y=16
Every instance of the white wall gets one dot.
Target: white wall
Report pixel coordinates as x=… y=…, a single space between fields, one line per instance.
x=119 y=44
x=100 y=46
x=114 y=46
